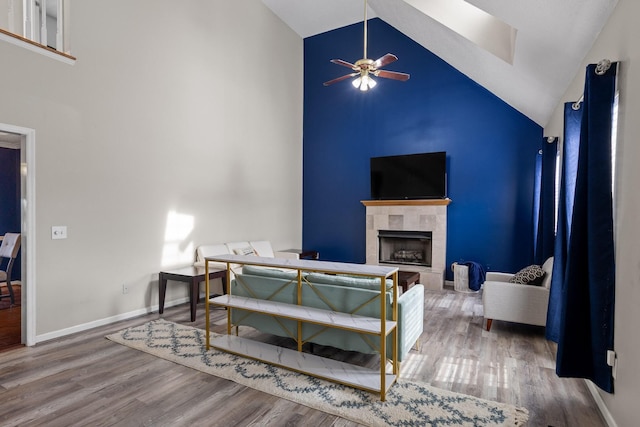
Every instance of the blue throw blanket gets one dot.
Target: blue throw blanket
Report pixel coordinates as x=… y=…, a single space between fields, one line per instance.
x=477 y=275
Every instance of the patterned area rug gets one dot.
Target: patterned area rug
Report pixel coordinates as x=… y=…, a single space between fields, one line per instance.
x=407 y=404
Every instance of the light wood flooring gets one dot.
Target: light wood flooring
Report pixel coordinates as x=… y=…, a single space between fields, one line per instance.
x=87 y=380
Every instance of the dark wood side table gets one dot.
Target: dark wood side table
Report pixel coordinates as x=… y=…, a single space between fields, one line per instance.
x=192 y=275
x=303 y=253
x=406 y=279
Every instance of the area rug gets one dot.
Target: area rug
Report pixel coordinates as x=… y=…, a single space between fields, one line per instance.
x=408 y=403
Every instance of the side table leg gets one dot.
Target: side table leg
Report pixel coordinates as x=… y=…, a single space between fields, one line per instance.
x=162 y=290
x=225 y=291
x=193 y=297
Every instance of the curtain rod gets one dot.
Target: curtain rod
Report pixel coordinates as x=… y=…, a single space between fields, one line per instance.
x=601 y=68
x=550 y=140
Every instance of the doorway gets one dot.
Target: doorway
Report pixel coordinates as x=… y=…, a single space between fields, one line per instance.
x=10 y=297
x=22 y=140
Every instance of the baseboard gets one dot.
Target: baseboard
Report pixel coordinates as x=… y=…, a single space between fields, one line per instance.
x=608 y=418
x=106 y=321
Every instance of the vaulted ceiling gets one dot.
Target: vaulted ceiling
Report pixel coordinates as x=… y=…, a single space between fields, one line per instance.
x=525 y=52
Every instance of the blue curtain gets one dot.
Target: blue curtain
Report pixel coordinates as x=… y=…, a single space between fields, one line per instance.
x=544 y=204
x=571 y=142
x=583 y=282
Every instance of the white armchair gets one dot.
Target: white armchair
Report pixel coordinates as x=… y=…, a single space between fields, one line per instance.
x=513 y=302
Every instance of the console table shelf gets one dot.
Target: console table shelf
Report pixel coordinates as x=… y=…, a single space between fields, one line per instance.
x=378 y=381
x=316 y=366
x=352 y=322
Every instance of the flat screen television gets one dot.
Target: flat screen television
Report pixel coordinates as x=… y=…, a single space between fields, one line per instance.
x=412 y=176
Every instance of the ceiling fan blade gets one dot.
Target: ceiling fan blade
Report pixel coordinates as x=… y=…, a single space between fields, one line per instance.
x=339 y=79
x=384 y=60
x=392 y=75
x=344 y=63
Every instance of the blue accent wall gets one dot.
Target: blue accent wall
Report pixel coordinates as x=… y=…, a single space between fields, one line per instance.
x=10 y=198
x=491 y=149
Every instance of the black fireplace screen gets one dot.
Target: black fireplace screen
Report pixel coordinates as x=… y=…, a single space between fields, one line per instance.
x=405 y=247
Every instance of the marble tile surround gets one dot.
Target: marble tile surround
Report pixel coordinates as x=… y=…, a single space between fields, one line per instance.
x=411 y=217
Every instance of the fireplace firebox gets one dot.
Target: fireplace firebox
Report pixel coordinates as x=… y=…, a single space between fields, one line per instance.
x=405 y=247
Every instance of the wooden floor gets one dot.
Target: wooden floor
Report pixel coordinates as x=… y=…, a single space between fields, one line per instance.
x=84 y=379
x=10 y=335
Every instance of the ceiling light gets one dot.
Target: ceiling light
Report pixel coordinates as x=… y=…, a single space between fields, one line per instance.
x=365 y=67
x=364 y=83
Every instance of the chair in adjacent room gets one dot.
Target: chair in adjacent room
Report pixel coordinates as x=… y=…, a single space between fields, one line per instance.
x=8 y=252
x=521 y=298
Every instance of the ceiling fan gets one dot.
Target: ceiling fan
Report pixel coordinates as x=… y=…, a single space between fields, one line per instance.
x=365 y=68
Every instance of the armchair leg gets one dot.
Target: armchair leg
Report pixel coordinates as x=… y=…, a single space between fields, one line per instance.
x=489 y=324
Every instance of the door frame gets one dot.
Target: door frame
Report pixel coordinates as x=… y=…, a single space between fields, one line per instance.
x=27 y=228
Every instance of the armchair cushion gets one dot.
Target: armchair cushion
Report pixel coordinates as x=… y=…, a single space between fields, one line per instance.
x=494 y=276
x=531 y=275
x=262 y=248
x=210 y=250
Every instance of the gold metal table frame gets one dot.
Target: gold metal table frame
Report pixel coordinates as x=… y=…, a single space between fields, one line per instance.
x=360 y=377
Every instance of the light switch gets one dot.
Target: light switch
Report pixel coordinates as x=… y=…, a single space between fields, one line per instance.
x=59 y=232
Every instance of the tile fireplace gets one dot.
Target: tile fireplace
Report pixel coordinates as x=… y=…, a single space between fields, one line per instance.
x=403 y=218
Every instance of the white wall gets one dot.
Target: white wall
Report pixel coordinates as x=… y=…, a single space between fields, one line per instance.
x=617 y=42
x=180 y=124
x=4 y=15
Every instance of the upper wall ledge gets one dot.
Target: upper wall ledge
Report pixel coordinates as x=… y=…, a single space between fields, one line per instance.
x=421 y=202
x=36 y=47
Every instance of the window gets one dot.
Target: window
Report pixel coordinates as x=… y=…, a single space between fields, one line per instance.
x=614 y=141
x=556 y=191
x=614 y=144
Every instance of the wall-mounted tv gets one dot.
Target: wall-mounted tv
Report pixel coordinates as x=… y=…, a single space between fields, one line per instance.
x=412 y=176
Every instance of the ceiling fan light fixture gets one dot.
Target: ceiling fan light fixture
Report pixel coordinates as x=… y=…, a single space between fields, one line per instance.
x=367 y=83
x=364 y=68
x=364 y=82
x=372 y=83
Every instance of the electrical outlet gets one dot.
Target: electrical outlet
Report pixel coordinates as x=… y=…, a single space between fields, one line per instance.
x=125 y=289
x=612 y=360
x=59 y=232
x=611 y=357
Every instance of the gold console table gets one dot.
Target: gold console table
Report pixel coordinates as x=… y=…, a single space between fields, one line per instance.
x=320 y=367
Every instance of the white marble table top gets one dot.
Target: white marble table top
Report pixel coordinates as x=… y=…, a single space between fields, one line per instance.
x=308 y=265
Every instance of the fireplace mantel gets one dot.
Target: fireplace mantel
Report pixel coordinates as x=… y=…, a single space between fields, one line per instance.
x=421 y=202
